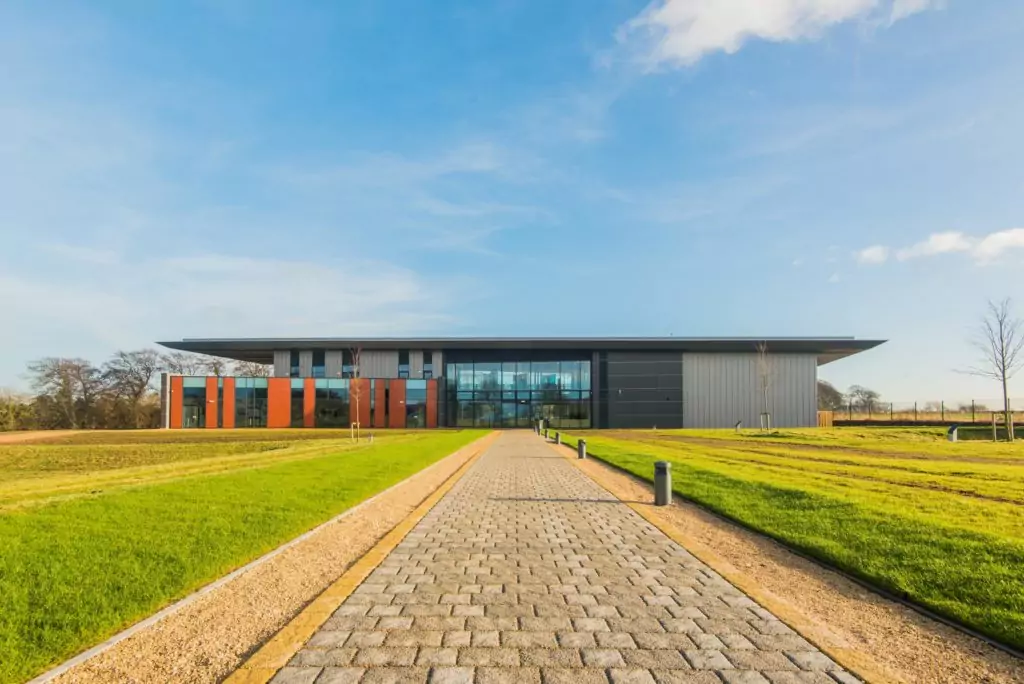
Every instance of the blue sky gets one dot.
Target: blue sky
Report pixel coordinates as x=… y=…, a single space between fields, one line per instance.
x=743 y=167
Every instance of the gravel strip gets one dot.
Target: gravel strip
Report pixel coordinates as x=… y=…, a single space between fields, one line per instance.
x=883 y=640
x=210 y=637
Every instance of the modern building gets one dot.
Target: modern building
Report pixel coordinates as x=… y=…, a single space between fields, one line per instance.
x=507 y=382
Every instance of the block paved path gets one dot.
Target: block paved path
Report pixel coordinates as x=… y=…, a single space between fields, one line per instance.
x=526 y=572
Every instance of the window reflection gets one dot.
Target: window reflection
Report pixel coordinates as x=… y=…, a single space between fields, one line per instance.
x=517 y=394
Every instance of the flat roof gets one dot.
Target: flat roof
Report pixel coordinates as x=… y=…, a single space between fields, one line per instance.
x=261 y=350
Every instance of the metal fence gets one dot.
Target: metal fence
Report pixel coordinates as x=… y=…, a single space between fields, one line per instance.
x=972 y=411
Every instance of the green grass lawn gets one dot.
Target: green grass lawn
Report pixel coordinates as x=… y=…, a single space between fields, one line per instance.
x=939 y=523
x=101 y=542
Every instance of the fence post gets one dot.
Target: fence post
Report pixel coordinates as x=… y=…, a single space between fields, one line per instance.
x=915 y=411
x=890 y=411
x=972 y=410
x=869 y=408
x=942 y=405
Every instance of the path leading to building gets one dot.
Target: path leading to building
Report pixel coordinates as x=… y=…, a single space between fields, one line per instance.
x=527 y=571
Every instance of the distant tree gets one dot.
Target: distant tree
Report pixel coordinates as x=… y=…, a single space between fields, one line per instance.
x=251 y=369
x=68 y=388
x=932 y=406
x=1000 y=339
x=130 y=374
x=829 y=398
x=183 y=363
x=16 y=411
x=215 y=365
x=863 y=398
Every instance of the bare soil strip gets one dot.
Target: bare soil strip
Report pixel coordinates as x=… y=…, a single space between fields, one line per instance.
x=869 y=634
x=33 y=435
x=213 y=634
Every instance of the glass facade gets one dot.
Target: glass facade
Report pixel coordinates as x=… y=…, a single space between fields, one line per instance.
x=298 y=400
x=518 y=393
x=250 y=402
x=294 y=370
x=332 y=403
x=416 y=403
x=193 y=402
x=319 y=363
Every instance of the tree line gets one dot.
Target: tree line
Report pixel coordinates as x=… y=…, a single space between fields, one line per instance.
x=72 y=393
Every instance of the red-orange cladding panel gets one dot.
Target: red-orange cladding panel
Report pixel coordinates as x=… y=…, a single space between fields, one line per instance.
x=380 y=403
x=279 y=402
x=309 y=403
x=396 y=405
x=176 y=399
x=431 y=403
x=211 y=402
x=228 y=404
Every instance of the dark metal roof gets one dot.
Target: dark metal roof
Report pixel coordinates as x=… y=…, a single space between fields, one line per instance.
x=262 y=349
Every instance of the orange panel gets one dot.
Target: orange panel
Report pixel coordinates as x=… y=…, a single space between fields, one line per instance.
x=176 y=399
x=309 y=403
x=359 y=387
x=279 y=402
x=380 y=409
x=211 y=402
x=431 y=403
x=396 y=409
x=229 y=403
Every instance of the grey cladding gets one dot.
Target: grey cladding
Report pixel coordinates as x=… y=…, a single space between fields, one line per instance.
x=644 y=390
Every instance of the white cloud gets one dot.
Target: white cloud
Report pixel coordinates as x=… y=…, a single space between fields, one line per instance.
x=681 y=32
x=937 y=243
x=993 y=245
x=901 y=9
x=834 y=278
x=876 y=254
x=982 y=250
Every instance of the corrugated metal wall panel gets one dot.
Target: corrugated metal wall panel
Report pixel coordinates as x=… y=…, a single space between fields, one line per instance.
x=282 y=361
x=306 y=364
x=333 y=363
x=379 y=363
x=415 y=363
x=644 y=390
x=720 y=389
x=438 y=361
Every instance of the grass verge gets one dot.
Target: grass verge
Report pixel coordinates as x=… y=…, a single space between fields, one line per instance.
x=74 y=572
x=956 y=554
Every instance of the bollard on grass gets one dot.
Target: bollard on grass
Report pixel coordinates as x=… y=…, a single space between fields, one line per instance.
x=662 y=483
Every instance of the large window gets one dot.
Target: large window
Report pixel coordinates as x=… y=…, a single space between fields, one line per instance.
x=319 y=363
x=403 y=363
x=428 y=365
x=193 y=400
x=332 y=403
x=518 y=393
x=348 y=368
x=298 y=402
x=250 y=402
x=294 y=370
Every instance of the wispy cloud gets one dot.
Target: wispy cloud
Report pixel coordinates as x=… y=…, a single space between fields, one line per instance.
x=875 y=254
x=682 y=32
x=982 y=249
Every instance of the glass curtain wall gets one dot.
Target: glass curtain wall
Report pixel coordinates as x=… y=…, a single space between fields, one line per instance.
x=518 y=393
x=332 y=403
x=193 y=402
x=250 y=402
x=298 y=402
x=416 y=403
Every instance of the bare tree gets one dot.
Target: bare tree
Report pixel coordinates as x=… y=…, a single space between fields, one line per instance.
x=1000 y=339
x=765 y=375
x=68 y=384
x=215 y=365
x=863 y=398
x=357 y=387
x=251 y=369
x=183 y=363
x=129 y=375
